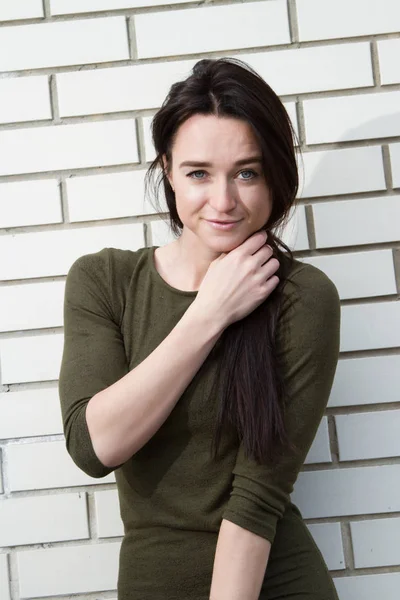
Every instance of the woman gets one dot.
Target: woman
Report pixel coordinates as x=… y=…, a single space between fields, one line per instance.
x=199 y=371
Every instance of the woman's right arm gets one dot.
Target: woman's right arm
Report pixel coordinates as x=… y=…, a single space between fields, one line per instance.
x=119 y=418
x=124 y=416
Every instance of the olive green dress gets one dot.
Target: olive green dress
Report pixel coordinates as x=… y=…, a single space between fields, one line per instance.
x=172 y=495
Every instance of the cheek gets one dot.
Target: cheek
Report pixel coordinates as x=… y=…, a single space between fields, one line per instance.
x=189 y=197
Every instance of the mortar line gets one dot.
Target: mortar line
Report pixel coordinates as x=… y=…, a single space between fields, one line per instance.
x=387 y=167
x=333 y=439
x=396 y=266
x=55 y=111
x=347 y=545
x=46 y=9
x=132 y=40
x=375 y=64
x=293 y=21
x=310 y=226
x=64 y=201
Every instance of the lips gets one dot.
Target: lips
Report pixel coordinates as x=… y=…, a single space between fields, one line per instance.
x=215 y=221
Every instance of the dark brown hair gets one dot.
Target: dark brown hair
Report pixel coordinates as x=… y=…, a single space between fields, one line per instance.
x=251 y=388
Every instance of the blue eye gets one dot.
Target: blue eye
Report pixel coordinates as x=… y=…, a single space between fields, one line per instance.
x=249 y=171
x=193 y=172
x=253 y=173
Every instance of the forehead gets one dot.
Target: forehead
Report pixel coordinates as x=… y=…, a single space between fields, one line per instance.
x=210 y=133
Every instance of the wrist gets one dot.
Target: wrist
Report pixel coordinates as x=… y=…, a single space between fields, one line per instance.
x=208 y=323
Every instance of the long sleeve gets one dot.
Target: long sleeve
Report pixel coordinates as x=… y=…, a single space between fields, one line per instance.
x=93 y=355
x=308 y=335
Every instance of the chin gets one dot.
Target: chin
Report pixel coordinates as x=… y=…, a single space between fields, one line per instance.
x=225 y=242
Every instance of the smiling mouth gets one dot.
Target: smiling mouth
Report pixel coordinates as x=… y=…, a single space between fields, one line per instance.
x=222 y=222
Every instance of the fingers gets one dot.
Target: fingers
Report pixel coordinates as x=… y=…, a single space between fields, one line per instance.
x=253 y=243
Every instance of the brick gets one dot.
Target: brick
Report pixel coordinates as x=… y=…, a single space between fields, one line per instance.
x=109 y=196
x=49 y=44
x=328 y=538
x=341 y=492
x=338 y=223
x=109 y=523
x=160 y=232
x=118 y=89
x=344 y=171
x=21 y=9
x=24 y=99
x=232 y=26
x=39 y=519
x=363 y=381
x=70 y=570
x=31 y=358
x=4 y=578
x=395 y=162
x=17 y=208
x=351 y=272
x=376 y=542
x=291 y=110
x=64 y=7
x=320 y=450
x=303 y=70
x=369 y=587
x=358 y=439
x=388 y=51
x=44 y=309
x=295 y=232
x=324 y=20
x=370 y=326
x=347 y=117
x=57 y=469
x=30 y=413
x=68 y=147
x=150 y=152
x=32 y=254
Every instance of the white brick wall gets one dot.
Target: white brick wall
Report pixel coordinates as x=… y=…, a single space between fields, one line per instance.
x=390 y=67
x=74 y=147
x=40 y=519
x=21 y=9
x=250 y=24
x=59 y=570
x=24 y=99
x=49 y=44
x=329 y=540
x=376 y=542
x=348 y=491
x=325 y=20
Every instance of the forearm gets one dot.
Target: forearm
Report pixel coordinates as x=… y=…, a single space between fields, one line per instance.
x=239 y=566
x=124 y=416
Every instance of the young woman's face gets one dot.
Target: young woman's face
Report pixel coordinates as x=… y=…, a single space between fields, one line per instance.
x=230 y=187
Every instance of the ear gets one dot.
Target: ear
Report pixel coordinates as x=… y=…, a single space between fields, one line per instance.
x=165 y=167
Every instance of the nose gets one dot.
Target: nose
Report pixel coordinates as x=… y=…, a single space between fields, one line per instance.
x=222 y=196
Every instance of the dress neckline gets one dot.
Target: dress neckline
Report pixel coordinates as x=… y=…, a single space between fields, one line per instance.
x=157 y=277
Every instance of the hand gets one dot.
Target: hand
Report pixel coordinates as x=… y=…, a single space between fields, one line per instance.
x=238 y=281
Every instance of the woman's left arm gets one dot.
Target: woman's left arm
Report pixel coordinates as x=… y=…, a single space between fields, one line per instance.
x=307 y=349
x=239 y=565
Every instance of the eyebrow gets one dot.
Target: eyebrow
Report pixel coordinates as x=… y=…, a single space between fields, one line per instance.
x=242 y=161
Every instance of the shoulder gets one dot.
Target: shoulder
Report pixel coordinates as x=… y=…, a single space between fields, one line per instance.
x=310 y=301
x=103 y=277
x=106 y=263
x=309 y=286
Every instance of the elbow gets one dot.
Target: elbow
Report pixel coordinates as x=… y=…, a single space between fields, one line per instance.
x=100 y=444
x=80 y=447
x=86 y=460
